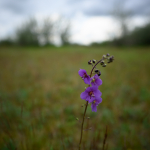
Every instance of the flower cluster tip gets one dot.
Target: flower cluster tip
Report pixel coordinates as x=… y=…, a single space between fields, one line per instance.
x=92 y=93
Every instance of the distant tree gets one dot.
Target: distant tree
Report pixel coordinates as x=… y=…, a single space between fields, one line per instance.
x=122 y=15
x=65 y=35
x=140 y=36
x=27 y=34
x=7 y=42
x=63 y=31
x=35 y=33
x=97 y=44
x=47 y=31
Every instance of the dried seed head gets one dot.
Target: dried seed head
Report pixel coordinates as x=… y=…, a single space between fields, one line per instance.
x=96 y=71
x=93 y=61
x=89 y=62
x=102 y=62
x=104 y=65
x=99 y=73
x=107 y=55
x=104 y=56
x=111 y=59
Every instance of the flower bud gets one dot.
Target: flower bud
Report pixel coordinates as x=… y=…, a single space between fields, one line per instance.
x=96 y=71
x=107 y=55
x=104 y=56
x=99 y=73
x=102 y=62
x=104 y=65
x=93 y=61
x=111 y=59
x=89 y=62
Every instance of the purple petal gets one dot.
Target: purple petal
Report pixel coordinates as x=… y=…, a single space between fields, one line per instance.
x=81 y=72
x=98 y=81
x=96 y=76
x=87 y=80
x=94 y=108
x=94 y=88
x=98 y=100
x=93 y=84
x=84 y=95
x=90 y=99
x=88 y=89
x=97 y=93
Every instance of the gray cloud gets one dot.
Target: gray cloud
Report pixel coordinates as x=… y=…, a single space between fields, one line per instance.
x=105 y=7
x=70 y=7
x=15 y=6
x=13 y=12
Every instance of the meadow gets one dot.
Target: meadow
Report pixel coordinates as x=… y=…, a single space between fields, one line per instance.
x=40 y=99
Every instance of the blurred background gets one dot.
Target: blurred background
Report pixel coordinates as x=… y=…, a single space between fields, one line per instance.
x=43 y=44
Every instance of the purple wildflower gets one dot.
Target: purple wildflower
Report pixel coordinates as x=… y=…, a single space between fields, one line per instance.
x=96 y=81
x=95 y=103
x=90 y=94
x=84 y=76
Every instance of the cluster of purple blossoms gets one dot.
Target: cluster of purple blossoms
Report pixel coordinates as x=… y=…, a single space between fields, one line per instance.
x=92 y=93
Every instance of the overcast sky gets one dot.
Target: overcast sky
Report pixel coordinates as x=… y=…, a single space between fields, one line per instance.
x=91 y=20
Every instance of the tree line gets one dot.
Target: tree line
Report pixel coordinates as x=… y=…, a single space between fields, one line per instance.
x=46 y=32
x=140 y=36
x=35 y=33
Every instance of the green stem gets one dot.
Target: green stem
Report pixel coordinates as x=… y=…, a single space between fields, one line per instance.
x=83 y=124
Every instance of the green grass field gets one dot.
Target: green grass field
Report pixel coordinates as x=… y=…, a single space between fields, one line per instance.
x=40 y=99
